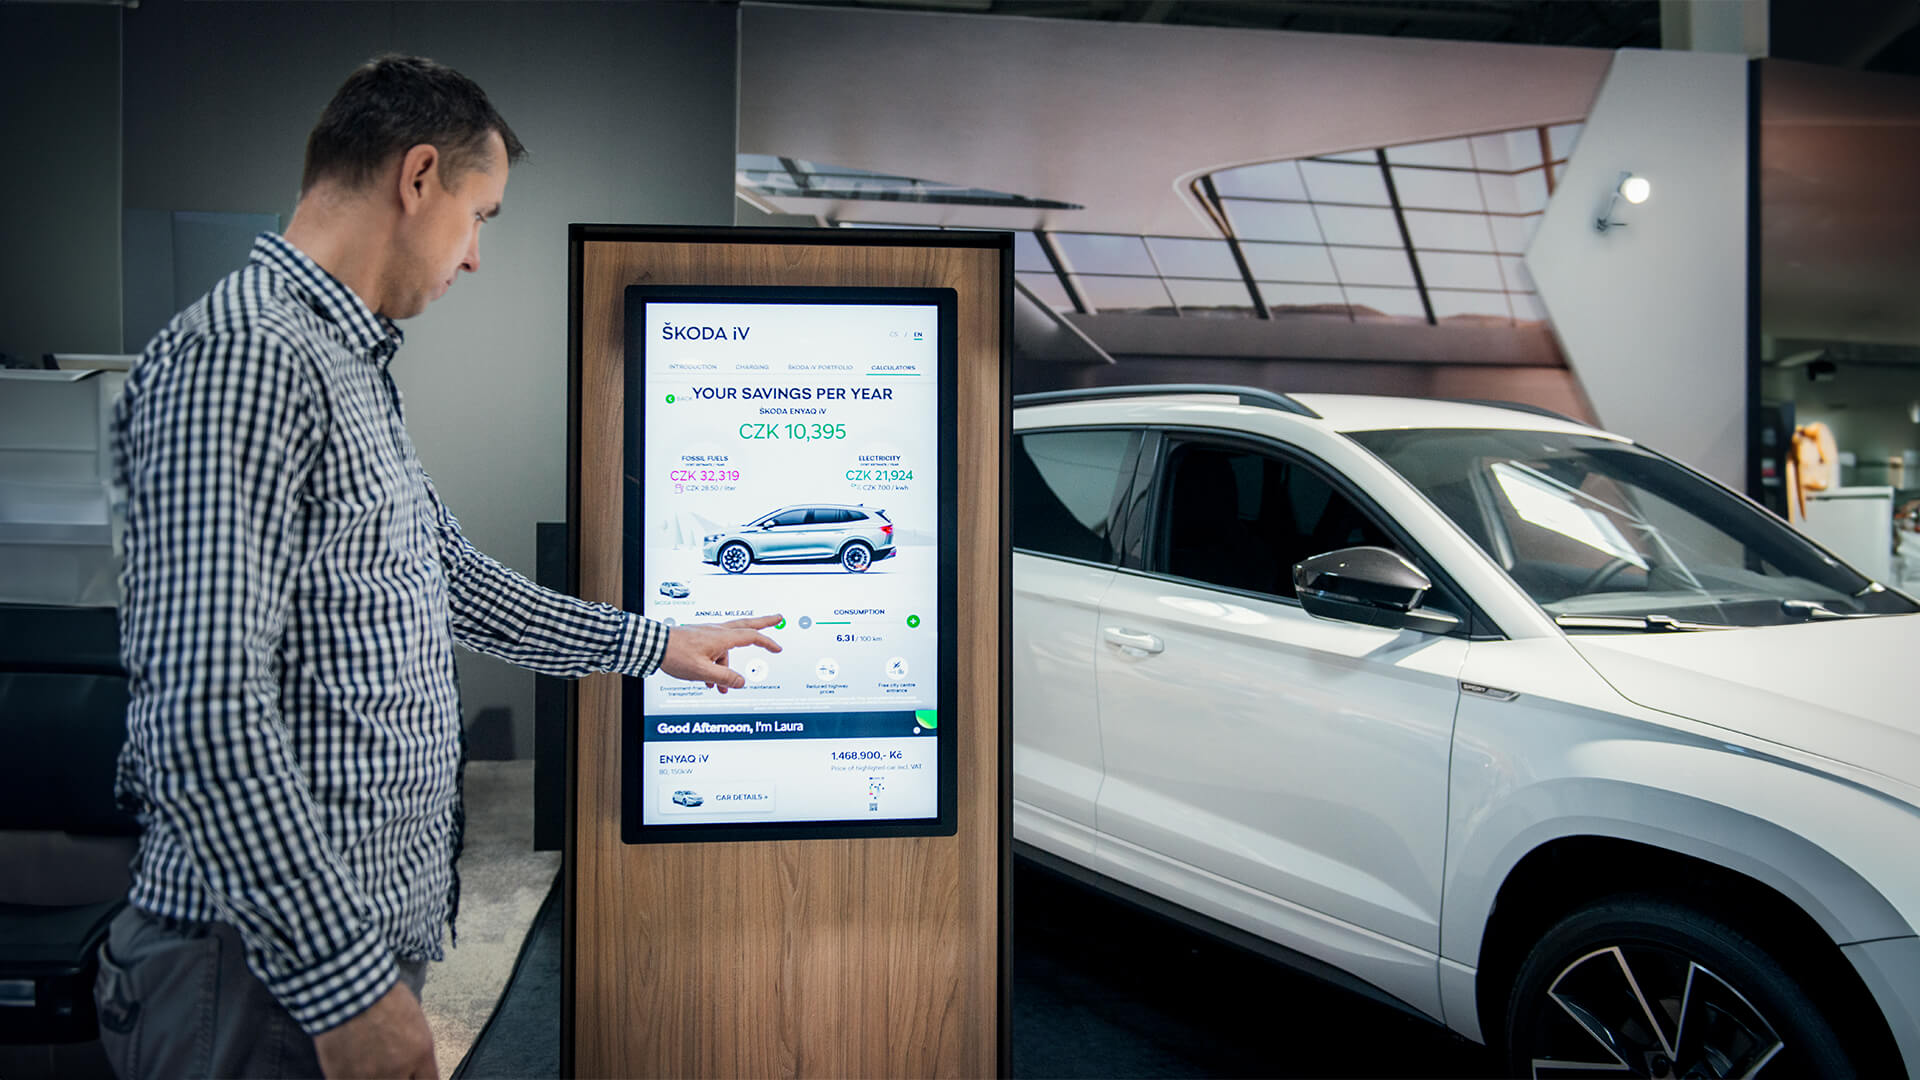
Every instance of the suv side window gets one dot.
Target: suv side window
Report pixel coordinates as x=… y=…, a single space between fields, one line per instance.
x=791 y=517
x=1065 y=487
x=1240 y=519
x=827 y=516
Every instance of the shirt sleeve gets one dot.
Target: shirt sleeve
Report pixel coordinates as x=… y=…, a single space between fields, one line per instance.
x=499 y=612
x=215 y=448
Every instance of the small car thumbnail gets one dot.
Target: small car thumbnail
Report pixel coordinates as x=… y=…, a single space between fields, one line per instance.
x=674 y=589
x=687 y=798
x=856 y=537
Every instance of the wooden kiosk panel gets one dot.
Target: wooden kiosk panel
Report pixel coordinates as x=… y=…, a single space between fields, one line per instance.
x=818 y=957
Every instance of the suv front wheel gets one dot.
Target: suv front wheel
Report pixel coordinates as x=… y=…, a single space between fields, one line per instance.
x=735 y=558
x=1662 y=990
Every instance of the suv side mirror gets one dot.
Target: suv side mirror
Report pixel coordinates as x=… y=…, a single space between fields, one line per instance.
x=1368 y=585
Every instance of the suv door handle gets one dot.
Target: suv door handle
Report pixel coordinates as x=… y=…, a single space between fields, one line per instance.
x=1134 y=642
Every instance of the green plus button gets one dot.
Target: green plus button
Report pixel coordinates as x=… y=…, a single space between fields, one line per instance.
x=781 y=625
x=913 y=620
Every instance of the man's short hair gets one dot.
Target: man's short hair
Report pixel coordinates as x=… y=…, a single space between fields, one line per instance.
x=394 y=103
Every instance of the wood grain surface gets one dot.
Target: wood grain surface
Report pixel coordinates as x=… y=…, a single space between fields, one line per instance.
x=843 y=958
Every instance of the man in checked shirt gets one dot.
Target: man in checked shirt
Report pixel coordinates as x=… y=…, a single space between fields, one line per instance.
x=293 y=589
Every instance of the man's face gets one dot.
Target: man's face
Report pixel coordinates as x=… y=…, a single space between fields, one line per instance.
x=443 y=238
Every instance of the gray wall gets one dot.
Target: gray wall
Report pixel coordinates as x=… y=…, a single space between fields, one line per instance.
x=627 y=110
x=60 y=186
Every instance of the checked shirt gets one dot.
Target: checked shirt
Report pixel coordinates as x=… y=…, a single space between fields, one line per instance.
x=292 y=591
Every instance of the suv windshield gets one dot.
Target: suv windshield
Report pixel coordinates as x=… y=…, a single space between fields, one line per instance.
x=1595 y=527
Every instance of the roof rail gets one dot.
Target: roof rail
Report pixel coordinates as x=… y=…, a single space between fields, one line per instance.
x=1519 y=406
x=1244 y=395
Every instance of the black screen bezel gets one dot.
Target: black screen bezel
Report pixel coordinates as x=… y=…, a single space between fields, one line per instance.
x=633 y=716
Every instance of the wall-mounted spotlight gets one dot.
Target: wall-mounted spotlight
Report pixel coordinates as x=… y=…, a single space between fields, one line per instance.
x=1634 y=189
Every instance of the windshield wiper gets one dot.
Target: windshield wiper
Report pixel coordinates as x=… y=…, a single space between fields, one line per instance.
x=1644 y=623
x=1815 y=611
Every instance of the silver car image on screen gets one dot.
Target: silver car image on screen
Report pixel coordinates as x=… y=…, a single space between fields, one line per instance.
x=853 y=536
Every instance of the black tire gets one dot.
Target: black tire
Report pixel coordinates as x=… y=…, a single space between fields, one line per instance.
x=856 y=557
x=1689 y=968
x=735 y=558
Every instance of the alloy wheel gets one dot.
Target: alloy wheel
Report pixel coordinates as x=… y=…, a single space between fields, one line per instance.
x=856 y=558
x=1647 y=1010
x=735 y=559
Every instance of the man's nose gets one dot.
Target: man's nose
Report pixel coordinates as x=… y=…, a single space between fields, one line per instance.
x=471 y=263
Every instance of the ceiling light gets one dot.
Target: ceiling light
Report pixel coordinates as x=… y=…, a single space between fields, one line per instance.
x=1634 y=189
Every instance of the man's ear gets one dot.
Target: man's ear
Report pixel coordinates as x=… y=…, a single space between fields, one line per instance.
x=418 y=168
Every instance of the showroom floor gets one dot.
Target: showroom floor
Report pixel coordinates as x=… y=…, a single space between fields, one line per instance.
x=502 y=884
x=1104 y=989
x=1100 y=990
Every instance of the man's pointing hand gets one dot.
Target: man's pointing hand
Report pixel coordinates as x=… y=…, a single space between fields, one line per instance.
x=698 y=653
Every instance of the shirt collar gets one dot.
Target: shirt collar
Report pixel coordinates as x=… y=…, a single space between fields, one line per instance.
x=374 y=336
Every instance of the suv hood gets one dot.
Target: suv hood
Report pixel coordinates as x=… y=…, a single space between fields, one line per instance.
x=1836 y=689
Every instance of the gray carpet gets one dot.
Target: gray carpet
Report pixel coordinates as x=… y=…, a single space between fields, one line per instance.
x=522 y=1040
x=503 y=883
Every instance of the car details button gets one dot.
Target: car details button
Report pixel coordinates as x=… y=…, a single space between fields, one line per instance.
x=739 y=797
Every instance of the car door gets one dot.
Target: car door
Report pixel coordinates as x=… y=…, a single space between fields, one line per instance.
x=826 y=527
x=1066 y=486
x=1303 y=759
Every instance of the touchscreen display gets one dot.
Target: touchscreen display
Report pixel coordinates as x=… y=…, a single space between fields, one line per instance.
x=789 y=461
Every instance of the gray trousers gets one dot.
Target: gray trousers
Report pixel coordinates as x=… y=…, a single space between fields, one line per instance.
x=178 y=1001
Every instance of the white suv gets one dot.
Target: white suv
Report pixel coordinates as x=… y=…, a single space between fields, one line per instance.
x=1503 y=719
x=856 y=537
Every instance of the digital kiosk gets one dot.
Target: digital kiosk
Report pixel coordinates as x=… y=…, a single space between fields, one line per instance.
x=809 y=875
